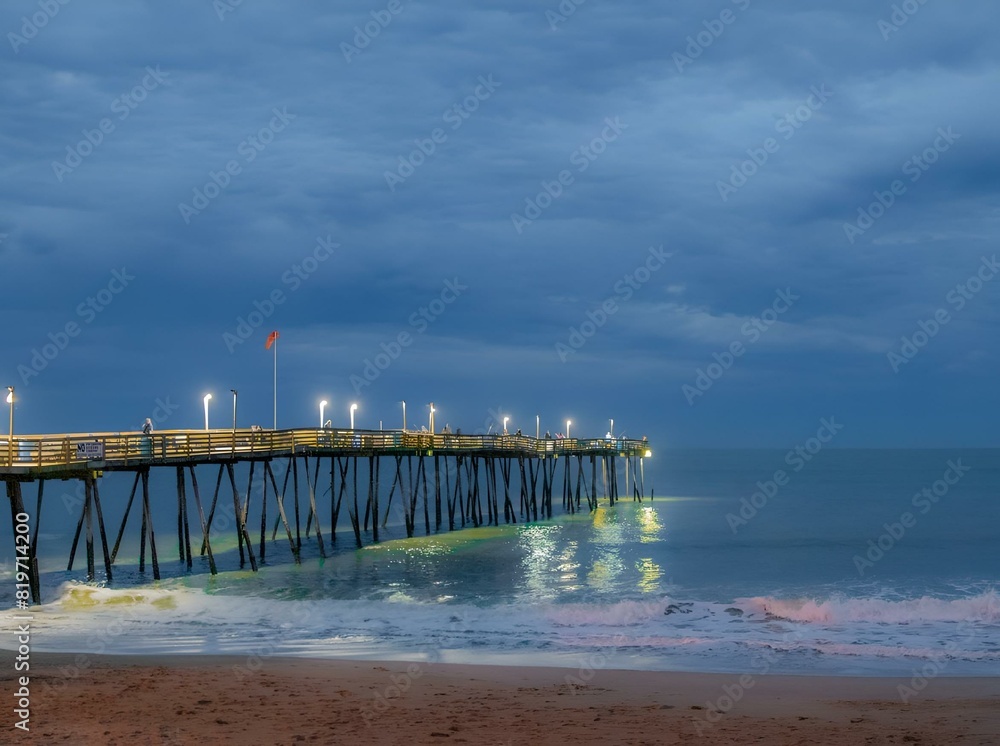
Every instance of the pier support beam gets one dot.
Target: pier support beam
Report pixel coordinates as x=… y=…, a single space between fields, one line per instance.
x=30 y=565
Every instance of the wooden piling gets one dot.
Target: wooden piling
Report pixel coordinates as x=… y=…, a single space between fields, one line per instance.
x=201 y=517
x=147 y=522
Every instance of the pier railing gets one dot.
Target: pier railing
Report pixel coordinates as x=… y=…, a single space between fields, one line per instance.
x=123 y=450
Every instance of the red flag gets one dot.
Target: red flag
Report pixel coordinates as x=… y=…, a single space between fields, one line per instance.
x=271 y=339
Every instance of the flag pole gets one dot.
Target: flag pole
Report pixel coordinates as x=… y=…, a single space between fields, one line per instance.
x=275 y=383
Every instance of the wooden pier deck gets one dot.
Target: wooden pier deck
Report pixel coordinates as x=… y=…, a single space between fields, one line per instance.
x=452 y=476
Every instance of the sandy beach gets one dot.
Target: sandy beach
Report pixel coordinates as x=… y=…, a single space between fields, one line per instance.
x=90 y=699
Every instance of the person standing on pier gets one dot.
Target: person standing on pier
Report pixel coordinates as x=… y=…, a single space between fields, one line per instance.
x=147 y=427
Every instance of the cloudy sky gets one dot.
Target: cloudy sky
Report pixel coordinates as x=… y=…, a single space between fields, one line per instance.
x=715 y=222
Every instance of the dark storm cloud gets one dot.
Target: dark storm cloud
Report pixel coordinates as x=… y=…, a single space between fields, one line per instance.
x=414 y=147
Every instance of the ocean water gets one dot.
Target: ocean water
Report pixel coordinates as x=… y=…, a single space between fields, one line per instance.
x=854 y=562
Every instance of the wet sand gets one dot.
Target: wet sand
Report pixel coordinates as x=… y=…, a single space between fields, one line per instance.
x=177 y=700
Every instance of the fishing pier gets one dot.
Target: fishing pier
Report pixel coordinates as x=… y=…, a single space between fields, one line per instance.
x=441 y=480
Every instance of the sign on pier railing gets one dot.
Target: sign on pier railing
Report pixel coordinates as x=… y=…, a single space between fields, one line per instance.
x=92 y=451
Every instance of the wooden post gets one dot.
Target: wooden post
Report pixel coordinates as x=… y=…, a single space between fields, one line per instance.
x=340 y=494
x=241 y=519
x=533 y=476
x=525 y=500
x=295 y=489
x=201 y=516
x=211 y=513
x=128 y=509
x=183 y=528
x=373 y=461
x=262 y=551
x=38 y=518
x=592 y=491
x=313 y=513
x=427 y=515
x=353 y=513
x=392 y=491
x=147 y=522
x=476 y=506
x=284 y=491
x=447 y=491
x=100 y=526
x=142 y=536
x=281 y=511
x=16 y=508
x=437 y=490
x=509 y=515
x=457 y=497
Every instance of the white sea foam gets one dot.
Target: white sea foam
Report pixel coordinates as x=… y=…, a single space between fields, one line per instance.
x=984 y=607
x=834 y=635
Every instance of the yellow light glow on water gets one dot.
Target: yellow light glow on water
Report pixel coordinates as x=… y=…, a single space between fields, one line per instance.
x=444 y=543
x=538 y=547
x=649 y=575
x=605 y=571
x=649 y=525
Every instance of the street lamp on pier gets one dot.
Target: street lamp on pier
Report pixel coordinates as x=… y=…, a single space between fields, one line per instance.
x=10 y=438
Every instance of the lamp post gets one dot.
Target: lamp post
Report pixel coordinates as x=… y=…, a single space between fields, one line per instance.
x=538 y=426
x=505 y=419
x=234 y=409
x=353 y=408
x=568 y=423
x=10 y=438
x=431 y=423
x=404 y=414
x=322 y=408
x=206 y=400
